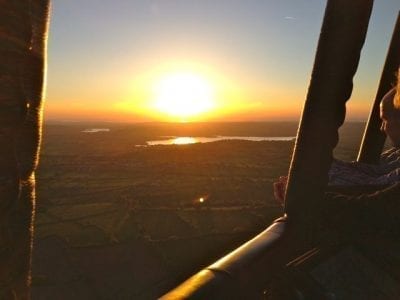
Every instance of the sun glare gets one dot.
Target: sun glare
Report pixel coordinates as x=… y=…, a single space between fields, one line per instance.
x=183 y=140
x=183 y=95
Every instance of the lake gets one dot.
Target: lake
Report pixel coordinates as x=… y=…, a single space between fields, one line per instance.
x=183 y=140
x=95 y=130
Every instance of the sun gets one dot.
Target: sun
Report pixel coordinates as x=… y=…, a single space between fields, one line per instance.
x=183 y=95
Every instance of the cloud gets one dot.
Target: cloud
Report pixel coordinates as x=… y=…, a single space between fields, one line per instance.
x=289 y=18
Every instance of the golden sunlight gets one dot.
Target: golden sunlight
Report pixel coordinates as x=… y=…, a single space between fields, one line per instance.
x=184 y=140
x=183 y=95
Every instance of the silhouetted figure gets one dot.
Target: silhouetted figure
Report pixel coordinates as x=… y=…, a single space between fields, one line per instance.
x=378 y=209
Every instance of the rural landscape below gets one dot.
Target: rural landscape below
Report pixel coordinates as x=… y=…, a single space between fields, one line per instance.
x=142 y=141
x=117 y=218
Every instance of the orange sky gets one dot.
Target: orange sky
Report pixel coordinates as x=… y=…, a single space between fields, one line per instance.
x=254 y=59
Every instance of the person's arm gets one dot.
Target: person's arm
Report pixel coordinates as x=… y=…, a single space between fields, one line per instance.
x=381 y=205
x=377 y=208
x=389 y=196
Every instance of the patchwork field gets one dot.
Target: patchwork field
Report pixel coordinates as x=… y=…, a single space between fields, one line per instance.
x=117 y=220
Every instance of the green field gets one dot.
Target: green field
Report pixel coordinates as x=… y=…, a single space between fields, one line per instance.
x=118 y=221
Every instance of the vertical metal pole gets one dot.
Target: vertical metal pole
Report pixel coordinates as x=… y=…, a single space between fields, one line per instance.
x=23 y=28
x=34 y=75
x=373 y=139
x=341 y=40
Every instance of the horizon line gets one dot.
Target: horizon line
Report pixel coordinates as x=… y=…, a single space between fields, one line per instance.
x=189 y=122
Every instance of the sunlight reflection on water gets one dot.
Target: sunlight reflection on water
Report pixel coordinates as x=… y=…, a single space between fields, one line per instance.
x=184 y=140
x=94 y=130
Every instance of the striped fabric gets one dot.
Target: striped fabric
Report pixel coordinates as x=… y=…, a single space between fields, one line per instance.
x=355 y=173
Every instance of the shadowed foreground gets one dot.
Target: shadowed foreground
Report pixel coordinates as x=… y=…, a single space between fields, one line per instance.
x=119 y=221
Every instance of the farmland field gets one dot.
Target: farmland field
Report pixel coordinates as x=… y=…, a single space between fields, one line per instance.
x=116 y=219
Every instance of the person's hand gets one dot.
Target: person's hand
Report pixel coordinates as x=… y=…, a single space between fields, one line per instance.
x=280 y=189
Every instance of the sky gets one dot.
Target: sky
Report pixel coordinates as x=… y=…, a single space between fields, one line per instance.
x=196 y=60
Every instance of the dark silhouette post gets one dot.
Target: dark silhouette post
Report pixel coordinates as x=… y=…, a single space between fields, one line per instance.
x=341 y=40
x=374 y=139
x=23 y=35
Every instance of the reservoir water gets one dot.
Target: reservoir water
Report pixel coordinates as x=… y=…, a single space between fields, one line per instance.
x=94 y=130
x=194 y=140
x=183 y=140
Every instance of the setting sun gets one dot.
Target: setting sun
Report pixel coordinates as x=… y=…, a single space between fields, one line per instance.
x=183 y=95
